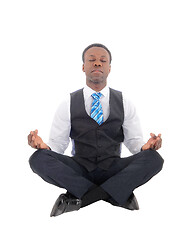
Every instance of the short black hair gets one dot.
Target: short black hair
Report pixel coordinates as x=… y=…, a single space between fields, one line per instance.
x=97 y=45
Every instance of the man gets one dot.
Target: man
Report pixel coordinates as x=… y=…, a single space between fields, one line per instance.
x=97 y=119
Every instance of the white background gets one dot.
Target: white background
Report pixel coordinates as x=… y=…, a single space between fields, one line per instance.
x=41 y=43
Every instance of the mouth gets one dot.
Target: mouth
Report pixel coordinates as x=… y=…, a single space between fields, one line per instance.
x=96 y=71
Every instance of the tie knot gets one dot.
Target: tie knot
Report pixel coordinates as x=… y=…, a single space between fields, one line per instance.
x=97 y=96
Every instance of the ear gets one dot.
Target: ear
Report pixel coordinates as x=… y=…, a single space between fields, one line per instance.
x=83 y=67
x=109 y=68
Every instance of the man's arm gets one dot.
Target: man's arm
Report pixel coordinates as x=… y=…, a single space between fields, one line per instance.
x=59 y=133
x=133 y=138
x=59 y=136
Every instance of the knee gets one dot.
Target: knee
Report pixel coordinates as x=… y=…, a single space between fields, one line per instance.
x=155 y=159
x=36 y=158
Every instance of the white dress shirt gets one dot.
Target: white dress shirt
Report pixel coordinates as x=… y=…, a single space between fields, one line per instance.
x=60 y=130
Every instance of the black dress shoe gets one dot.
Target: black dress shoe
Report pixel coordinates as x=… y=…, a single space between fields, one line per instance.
x=131 y=203
x=63 y=204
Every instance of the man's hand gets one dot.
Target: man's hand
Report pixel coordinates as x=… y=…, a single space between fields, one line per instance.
x=35 y=141
x=154 y=142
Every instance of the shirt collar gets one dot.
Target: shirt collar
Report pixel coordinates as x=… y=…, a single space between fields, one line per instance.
x=88 y=91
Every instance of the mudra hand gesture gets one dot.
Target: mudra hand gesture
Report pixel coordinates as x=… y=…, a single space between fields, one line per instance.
x=154 y=142
x=35 y=141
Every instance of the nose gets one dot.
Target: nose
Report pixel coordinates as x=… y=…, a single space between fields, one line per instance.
x=97 y=64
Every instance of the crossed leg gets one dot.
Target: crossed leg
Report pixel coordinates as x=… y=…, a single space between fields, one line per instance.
x=115 y=184
x=135 y=171
x=61 y=171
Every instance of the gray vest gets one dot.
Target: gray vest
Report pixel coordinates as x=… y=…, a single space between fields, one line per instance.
x=96 y=145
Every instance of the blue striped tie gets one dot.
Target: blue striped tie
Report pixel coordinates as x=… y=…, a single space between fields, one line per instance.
x=96 y=109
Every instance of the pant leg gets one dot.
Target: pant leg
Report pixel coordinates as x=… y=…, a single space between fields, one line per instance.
x=99 y=176
x=61 y=171
x=143 y=166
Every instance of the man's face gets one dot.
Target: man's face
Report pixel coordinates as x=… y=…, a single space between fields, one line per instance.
x=96 y=65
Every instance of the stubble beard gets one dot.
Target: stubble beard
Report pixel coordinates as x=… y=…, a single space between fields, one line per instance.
x=96 y=81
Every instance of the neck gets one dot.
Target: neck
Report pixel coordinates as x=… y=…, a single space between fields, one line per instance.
x=96 y=87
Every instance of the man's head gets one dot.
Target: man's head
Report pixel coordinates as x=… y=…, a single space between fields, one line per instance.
x=96 y=45
x=96 y=65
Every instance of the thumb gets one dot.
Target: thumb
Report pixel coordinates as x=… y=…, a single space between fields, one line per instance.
x=152 y=135
x=36 y=132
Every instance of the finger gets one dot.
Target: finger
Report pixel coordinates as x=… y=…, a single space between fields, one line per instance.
x=38 y=145
x=156 y=148
x=152 y=141
x=39 y=142
x=32 y=144
x=36 y=132
x=35 y=144
x=158 y=144
x=152 y=146
x=153 y=136
x=29 y=138
x=159 y=141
